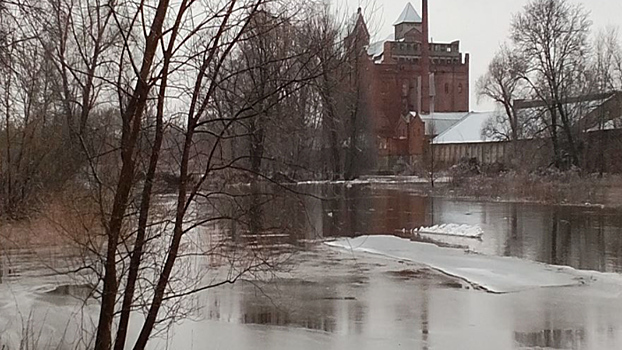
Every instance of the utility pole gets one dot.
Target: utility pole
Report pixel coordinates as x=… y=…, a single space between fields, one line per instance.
x=432 y=126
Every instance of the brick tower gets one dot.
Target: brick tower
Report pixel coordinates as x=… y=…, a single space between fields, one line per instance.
x=406 y=70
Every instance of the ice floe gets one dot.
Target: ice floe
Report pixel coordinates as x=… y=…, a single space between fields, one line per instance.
x=493 y=273
x=471 y=231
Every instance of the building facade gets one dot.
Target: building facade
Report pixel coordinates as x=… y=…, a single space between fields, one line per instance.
x=409 y=81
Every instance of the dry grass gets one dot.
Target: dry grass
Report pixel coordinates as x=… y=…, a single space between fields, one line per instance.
x=65 y=218
x=547 y=187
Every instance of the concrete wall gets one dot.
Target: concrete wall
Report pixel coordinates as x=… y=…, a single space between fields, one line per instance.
x=603 y=149
x=599 y=149
x=446 y=155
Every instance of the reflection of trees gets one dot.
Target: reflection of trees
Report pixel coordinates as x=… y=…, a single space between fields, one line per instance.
x=291 y=303
x=514 y=244
x=552 y=338
x=268 y=215
x=333 y=212
x=567 y=243
x=616 y=232
x=602 y=246
x=354 y=211
x=579 y=238
x=561 y=239
x=255 y=211
x=361 y=210
x=576 y=237
x=425 y=317
x=349 y=215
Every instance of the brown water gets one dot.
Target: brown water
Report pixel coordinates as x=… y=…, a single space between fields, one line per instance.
x=341 y=301
x=586 y=238
x=338 y=300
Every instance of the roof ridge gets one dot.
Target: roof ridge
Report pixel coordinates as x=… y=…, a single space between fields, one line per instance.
x=456 y=124
x=409 y=15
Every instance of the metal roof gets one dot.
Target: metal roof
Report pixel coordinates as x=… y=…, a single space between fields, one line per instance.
x=467 y=130
x=409 y=15
x=438 y=123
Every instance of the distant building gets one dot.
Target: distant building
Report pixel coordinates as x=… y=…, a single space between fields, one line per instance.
x=597 y=120
x=416 y=88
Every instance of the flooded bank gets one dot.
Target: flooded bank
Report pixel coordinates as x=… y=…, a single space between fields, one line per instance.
x=351 y=301
x=588 y=238
x=346 y=300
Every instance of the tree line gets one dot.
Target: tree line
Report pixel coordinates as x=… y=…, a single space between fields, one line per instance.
x=103 y=101
x=83 y=82
x=553 y=62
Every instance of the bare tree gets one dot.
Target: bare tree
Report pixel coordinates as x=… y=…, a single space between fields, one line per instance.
x=326 y=34
x=204 y=52
x=355 y=70
x=606 y=62
x=343 y=91
x=553 y=37
x=605 y=76
x=29 y=118
x=503 y=83
x=152 y=87
x=268 y=88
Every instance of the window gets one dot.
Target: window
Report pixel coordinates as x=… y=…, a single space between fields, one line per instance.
x=405 y=88
x=402 y=132
x=446 y=88
x=460 y=88
x=382 y=144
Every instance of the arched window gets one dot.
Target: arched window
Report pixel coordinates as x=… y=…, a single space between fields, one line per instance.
x=405 y=88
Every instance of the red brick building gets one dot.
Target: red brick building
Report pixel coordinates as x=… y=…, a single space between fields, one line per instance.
x=410 y=81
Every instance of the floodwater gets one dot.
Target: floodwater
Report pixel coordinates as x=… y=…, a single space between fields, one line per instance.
x=341 y=300
x=587 y=238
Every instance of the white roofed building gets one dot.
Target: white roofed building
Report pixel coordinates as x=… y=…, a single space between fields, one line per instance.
x=410 y=78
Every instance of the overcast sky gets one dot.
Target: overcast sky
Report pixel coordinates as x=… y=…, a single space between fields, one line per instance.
x=480 y=25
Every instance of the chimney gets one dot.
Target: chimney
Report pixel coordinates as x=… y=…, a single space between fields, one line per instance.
x=419 y=94
x=432 y=94
x=426 y=35
x=425 y=55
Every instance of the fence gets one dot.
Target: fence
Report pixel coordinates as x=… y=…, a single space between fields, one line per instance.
x=598 y=150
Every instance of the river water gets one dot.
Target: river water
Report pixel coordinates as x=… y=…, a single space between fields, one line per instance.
x=339 y=300
x=588 y=238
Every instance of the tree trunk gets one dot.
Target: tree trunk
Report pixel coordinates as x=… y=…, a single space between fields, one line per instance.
x=556 y=149
x=145 y=205
x=330 y=121
x=173 y=250
x=131 y=128
x=572 y=146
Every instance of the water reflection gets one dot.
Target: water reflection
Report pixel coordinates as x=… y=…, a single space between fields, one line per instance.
x=584 y=238
x=370 y=304
x=553 y=339
x=376 y=303
x=355 y=300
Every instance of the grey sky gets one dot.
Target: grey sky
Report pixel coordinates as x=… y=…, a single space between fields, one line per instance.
x=480 y=25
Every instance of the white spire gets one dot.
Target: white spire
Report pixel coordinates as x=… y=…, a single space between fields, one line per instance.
x=409 y=15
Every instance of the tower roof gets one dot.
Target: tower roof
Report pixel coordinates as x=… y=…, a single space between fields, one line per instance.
x=409 y=15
